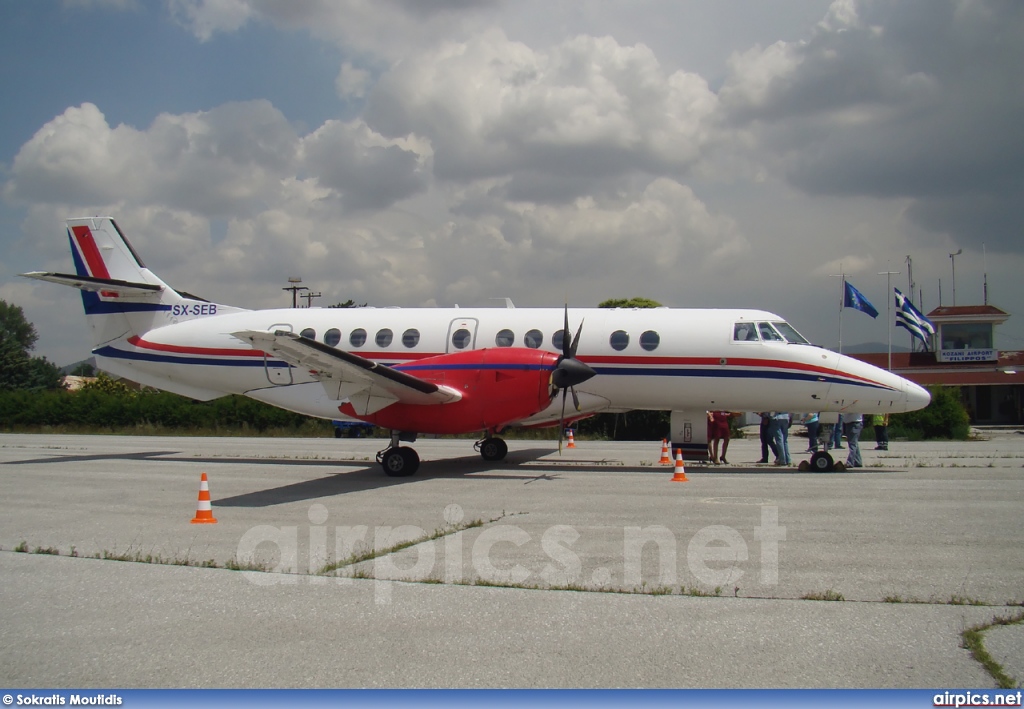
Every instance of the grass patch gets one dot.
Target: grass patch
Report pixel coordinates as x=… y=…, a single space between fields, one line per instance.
x=973 y=640
x=370 y=554
x=828 y=595
x=957 y=600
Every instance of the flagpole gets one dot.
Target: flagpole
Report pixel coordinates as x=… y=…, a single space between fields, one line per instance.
x=842 y=297
x=888 y=308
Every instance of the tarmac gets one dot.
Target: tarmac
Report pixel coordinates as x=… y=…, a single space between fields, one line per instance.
x=591 y=568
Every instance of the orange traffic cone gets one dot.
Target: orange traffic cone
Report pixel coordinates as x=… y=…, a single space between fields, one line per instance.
x=665 y=460
x=680 y=472
x=204 y=511
x=572 y=441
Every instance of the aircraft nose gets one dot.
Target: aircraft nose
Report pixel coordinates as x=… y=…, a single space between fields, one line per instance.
x=917 y=397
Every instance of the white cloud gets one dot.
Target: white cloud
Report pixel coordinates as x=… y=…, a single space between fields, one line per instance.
x=234 y=160
x=491 y=106
x=352 y=81
x=204 y=18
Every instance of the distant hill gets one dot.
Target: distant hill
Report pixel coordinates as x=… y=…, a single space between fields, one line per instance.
x=68 y=368
x=866 y=347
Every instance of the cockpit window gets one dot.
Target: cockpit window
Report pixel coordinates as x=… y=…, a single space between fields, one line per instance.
x=768 y=333
x=790 y=333
x=744 y=332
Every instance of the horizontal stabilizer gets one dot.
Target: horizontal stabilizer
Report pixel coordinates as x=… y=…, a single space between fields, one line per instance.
x=104 y=286
x=368 y=385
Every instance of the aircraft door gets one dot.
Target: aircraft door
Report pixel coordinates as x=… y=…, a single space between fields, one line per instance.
x=461 y=335
x=279 y=372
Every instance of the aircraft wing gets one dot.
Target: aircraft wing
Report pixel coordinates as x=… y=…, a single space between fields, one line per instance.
x=104 y=286
x=368 y=385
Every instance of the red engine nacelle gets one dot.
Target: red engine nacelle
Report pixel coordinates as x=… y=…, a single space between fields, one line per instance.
x=498 y=385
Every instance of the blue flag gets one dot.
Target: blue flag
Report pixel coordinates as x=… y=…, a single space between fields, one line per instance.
x=856 y=300
x=909 y=317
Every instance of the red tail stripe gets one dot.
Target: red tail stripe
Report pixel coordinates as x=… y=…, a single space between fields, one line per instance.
x=90 y=252
x=214 y=351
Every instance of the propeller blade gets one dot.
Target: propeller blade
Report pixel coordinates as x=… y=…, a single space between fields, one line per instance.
x=575 y=399
x=561 y=423
x=566 y=343
x=575 y=341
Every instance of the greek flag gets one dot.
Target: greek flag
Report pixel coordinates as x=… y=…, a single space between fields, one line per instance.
x=856 y=300
x=909 y=317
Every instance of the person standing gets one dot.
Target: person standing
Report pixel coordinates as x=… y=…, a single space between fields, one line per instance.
x=718 y=432
x=813 y=426
x=765 y=432
x=780 y=424
x=881 y=424
x=854 y=423
x=837 y=434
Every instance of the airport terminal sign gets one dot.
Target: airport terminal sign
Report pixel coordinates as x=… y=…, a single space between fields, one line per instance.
x=968 y=355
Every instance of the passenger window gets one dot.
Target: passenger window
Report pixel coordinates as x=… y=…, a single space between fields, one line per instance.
x=461 y=338
x=505 y=338
x=619 y=340
x=309 y=333
x=768 y=333
x=557 y=340
x=384 y=337
x=744 y=332
x=533 y=339
x=332 y=337
x=357 y=338
x=411 y=337
x=650 y=340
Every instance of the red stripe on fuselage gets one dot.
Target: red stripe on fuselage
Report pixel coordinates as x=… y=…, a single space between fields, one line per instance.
x=91 y=254
x=407 y=358
x=179 y=349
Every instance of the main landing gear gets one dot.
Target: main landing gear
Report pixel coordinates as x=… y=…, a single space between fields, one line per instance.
x=399 y=461
x=822 y=462
x=491 y=448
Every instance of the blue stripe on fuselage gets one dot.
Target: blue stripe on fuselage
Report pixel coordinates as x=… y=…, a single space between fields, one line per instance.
x=115 y=353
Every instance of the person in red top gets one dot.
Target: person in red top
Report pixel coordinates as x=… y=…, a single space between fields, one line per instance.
x=718 y=432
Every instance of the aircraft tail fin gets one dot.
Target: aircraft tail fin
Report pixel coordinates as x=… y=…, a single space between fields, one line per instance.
x=122 y=298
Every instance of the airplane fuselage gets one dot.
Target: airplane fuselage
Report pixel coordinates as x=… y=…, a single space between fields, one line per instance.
x=655 y=359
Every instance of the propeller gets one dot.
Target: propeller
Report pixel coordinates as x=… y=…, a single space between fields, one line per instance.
x=569 y=372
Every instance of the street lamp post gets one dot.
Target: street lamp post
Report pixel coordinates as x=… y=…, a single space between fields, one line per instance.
x=952 y=259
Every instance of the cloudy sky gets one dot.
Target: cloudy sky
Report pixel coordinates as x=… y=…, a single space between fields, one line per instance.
x=415 y=153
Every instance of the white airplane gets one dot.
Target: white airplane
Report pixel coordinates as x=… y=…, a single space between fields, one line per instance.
x=459 y=370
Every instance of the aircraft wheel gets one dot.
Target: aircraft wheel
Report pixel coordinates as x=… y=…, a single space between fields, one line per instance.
x=493 y=449
x=822 y=462
x=400 y=462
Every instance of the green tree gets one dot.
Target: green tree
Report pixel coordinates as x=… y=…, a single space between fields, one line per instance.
x=18 y=369
x=347 y=304
x=944 y=417
x=629 y=303
x=84 y=369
